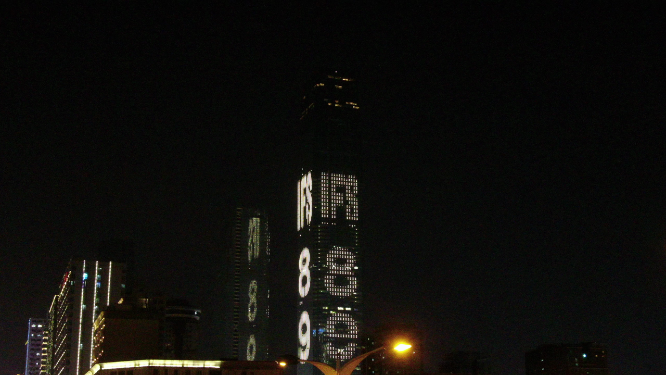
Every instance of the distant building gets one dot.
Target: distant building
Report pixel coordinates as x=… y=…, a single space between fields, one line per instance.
x=247 y=288
x=389 y=362
x=466 y=363
x=589 y=358
x=87 y=287
x=185 y=367
x=35 y=346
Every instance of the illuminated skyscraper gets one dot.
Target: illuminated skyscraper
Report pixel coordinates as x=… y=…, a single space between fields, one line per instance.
x=87 y=287
x=329 y=301
x=248 y=317
x=35 y=356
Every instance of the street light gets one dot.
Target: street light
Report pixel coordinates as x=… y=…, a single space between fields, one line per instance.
x=348 y=367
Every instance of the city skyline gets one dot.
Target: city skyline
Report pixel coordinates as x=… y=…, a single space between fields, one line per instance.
x=512 y=164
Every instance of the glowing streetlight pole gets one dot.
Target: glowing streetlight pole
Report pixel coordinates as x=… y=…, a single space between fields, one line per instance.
x=351 y=365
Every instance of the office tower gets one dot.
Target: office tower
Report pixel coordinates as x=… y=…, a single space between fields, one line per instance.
x=35 y=355
x=248 y=288
x=588 y=358
x=329 y=298
x=87 y=287
x=465 y=363
x=390 y=362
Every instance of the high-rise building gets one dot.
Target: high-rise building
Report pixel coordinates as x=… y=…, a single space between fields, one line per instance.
x=329 y=300
x=248 y=288
x=589 y=358
x=87 y=287
x=35 y=354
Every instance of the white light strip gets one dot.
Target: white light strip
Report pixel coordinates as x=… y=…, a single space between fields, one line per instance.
x=108 y=288
x=154 y=363
x=298 y=207
x=78 y=345
x=94 y=308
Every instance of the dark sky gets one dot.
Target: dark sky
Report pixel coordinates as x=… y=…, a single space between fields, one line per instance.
x=513 y=163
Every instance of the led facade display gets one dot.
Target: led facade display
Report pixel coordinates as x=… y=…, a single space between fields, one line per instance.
x=328 y=282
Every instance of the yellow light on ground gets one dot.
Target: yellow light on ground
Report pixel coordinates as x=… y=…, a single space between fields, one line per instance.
x=283 y=364
x=402 y=347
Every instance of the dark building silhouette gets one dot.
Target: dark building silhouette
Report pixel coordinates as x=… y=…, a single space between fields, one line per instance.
x=147 y=326
x=466 y=362
x=329 y=297
x=389 y=362
x=588 y=358
x=180 y=332
x=126 y=332
x=247 y=288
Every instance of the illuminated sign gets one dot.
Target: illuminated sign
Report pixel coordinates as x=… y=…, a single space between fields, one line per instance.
x=304 y=277
x=341 y=326
x=304 y=336
x=304 y=216
x=253 y=232
x=339 y=195
x=254 y=246
x=251 y=351
x=341 y=280
x=333 y=335
x=303 y=290
x=252 y=304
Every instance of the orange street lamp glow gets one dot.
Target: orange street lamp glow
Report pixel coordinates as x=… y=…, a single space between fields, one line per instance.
x=283 y=364
x=402 y=347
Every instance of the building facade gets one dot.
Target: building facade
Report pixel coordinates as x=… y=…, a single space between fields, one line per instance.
x=146 y=326
x=329 y=298
x=186 y=367
x=248 y=287
x=87 y=287
x=35 y=346
x=124 y=332
x=588 y=358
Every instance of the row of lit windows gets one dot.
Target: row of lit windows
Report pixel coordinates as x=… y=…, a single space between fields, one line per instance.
x=348 y=104
x=341 y=78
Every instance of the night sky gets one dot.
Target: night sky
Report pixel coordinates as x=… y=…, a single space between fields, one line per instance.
x=513 y=163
